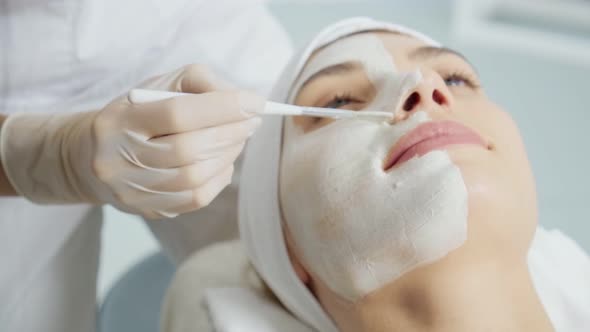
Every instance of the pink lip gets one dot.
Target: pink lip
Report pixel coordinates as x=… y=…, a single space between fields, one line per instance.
x=428 y=137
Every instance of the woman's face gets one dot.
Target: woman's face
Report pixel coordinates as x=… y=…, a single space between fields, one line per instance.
x=365 y=202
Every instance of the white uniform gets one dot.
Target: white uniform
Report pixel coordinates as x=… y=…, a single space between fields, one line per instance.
x=72 y=55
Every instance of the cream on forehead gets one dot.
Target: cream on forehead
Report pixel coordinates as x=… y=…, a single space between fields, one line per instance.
x=362 y=48
x=368 y=50
x=356 y=226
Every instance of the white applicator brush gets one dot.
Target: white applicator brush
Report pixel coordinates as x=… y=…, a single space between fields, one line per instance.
x=138 y=96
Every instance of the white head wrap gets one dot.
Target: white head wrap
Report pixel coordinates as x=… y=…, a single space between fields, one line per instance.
x=259 y=207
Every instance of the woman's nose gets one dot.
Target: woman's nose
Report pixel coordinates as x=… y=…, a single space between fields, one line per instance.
x=430 y=94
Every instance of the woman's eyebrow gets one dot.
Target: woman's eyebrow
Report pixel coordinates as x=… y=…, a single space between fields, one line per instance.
x=429 y=52
x=337 y=69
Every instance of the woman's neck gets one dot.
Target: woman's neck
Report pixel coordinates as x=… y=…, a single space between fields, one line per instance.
x=452 y=295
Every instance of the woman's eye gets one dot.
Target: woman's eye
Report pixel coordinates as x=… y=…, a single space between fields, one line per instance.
x=456 y=80
x=459 y=80
x=338 y=102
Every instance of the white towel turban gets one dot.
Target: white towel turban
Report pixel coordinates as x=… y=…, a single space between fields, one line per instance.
x=259 y=210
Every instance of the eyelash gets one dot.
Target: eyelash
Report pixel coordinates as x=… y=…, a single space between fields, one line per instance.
x=468 y=78
x=343 y=97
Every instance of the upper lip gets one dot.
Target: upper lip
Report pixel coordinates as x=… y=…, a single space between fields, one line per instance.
x=428 y=131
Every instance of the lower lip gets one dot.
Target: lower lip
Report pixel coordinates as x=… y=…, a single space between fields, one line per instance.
x=437 y=143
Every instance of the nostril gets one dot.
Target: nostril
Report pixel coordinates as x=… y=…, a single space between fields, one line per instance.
x=438 y=97
x=412 y=101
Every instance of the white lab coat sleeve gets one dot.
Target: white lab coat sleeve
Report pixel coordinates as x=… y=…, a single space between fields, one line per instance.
x=259 y=47
x=246 y=45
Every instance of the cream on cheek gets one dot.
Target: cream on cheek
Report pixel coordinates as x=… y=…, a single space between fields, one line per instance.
x=356 y=226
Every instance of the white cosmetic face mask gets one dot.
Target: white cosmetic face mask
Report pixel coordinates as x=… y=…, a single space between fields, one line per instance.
x=356 y=226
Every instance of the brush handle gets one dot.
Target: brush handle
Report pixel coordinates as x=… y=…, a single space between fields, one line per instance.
x=139 y=96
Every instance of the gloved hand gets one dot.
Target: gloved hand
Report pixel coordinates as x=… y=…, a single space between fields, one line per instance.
x=156 y=159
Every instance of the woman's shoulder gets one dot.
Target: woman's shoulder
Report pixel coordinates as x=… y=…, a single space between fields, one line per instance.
x=220 y=265
x=560 y=270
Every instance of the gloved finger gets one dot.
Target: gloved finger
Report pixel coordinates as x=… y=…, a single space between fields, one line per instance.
x=192 y=112
x=199 y=198
x=154 y=200
x=206 y=193
x=198 y=78
x=193 y=78
x=196 y=175
x=186 y=148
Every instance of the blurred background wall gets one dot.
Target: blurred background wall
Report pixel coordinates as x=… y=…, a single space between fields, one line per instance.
x=532 y=61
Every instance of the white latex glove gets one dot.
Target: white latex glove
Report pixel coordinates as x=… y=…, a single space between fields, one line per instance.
x=156 y=159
